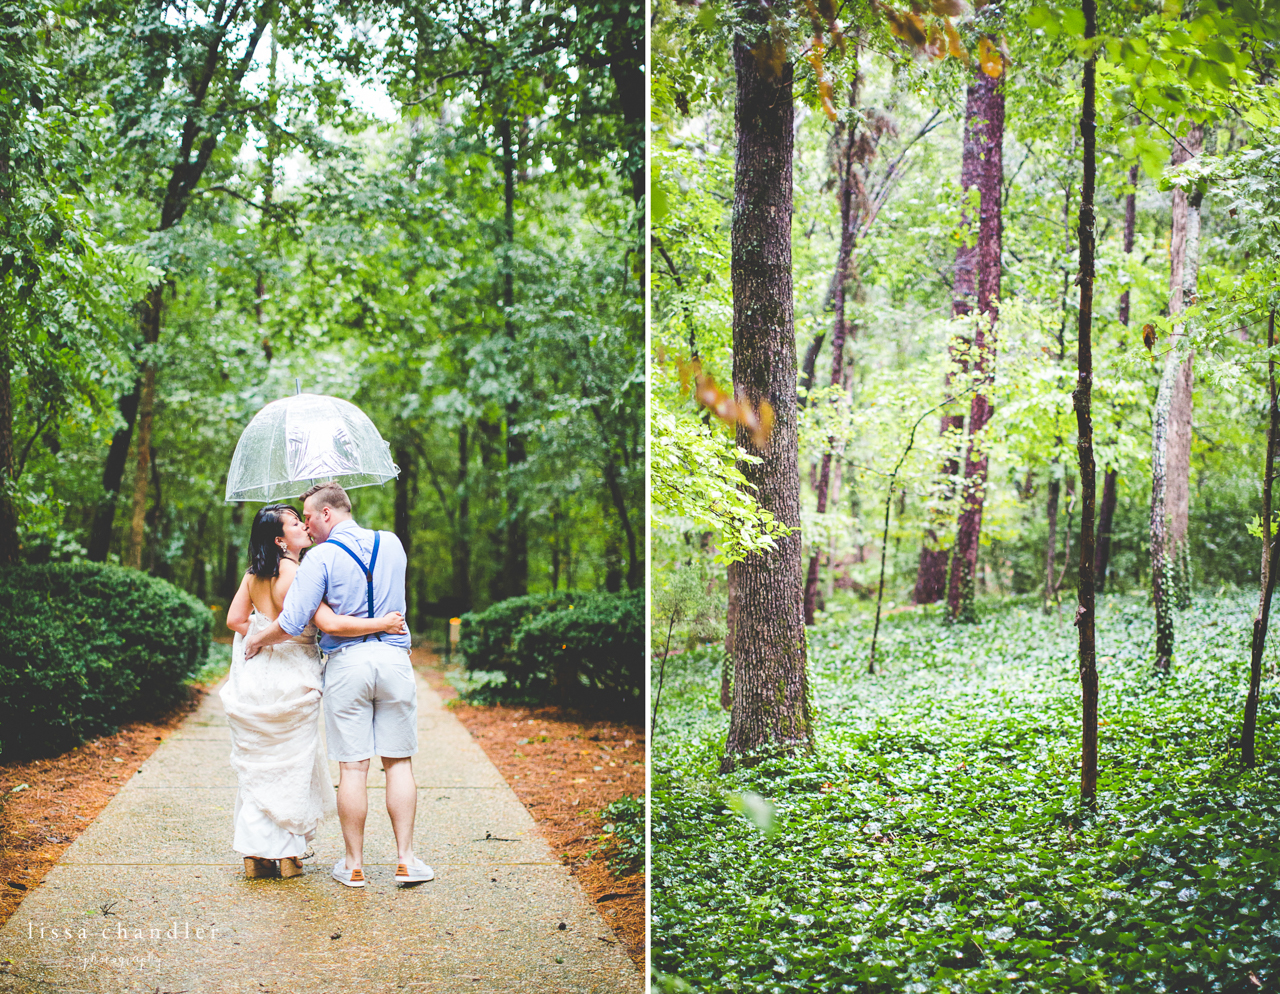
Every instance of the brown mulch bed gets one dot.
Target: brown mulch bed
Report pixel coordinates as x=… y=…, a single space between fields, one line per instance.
x=46 y=803
x=565 y=767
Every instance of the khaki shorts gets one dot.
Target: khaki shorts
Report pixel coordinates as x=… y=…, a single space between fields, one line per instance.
x=370 y=703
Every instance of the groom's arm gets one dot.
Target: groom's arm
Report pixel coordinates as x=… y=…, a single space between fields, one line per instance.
x=300 y=603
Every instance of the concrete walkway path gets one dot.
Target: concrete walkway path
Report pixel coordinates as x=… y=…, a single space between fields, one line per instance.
x=152 y=898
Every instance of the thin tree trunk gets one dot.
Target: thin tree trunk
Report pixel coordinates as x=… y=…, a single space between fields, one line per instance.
x=151 y=319
x=403 y=505
x=9 y=546
x=113 y=475
x=515 y=565
x=231 y=569
x=809 y=365
x=460 y=550
x=730 y=626
x=1270 y=566
x=199 y=582
x=614 y=485
x=1171 y=429
x=984 y=128
x=1084 y=425
x=1106 y=515
x=557 y=531
x=1051 y=554
x=155 y=564
x=850 y=194
x=1107 y=509
x=770 y=679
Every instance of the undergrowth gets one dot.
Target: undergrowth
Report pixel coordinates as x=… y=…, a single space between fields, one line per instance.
x=934 y=841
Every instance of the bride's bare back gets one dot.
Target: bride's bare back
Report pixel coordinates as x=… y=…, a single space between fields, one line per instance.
x=268 y=593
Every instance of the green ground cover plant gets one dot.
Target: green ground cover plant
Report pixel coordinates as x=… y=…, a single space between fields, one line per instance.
x=933 y=841
x=623 y=834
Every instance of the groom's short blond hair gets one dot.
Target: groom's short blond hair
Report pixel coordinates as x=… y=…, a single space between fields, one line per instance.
x=329 y=494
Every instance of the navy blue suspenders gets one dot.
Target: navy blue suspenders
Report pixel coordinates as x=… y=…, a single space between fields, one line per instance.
x=368 y=572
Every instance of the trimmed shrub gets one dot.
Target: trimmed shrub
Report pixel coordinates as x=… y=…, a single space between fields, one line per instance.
x=583 y=650
x=487 y=638
x=86 y=646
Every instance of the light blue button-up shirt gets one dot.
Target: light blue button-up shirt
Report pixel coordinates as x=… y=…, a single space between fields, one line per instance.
x=329 y=574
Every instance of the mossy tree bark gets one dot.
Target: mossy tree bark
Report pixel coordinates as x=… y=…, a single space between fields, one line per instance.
x=770 y=679
x=984 y=130
x=977 y=279
x=1171 y=423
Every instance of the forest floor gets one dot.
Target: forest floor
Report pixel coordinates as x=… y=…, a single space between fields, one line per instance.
x=934 y=839
x=566 y=768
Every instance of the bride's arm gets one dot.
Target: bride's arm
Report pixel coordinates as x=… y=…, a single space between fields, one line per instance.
x=238 y=611
x=345 y=625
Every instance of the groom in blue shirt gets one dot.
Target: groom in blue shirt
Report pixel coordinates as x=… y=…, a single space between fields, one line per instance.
x=370 y=693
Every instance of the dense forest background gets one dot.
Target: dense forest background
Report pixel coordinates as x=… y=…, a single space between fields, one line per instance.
x=433 y=210
x=904 y=123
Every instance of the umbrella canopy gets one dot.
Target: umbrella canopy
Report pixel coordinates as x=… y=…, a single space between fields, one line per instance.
x=295 y=442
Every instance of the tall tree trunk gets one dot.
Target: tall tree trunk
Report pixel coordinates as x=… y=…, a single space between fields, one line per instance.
x=515 y=565
x=403 y=503
x=152 y=563
x=460 y=548
x=9 y=549
x=1083 y=397
x=1270 y=565
x=151 y=320
x=770 y=679
x=984 y=128
x=1051 y=553
x=231 y=569
x=113 y=475
x=1171 y=430
x=199 y=582
x=1107 y=509
x=1106 y=516
x=809 y=365
x=635 y=569
x=557 y=526
x=850 y=195
x=931 y=575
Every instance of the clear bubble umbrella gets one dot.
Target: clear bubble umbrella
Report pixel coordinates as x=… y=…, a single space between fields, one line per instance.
x=298 y=441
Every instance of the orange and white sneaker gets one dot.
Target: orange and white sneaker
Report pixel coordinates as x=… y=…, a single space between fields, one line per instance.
x=351 y=878
x=414 y=872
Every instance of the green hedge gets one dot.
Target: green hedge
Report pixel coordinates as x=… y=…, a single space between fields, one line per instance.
x=581 y=649
x=85 y=647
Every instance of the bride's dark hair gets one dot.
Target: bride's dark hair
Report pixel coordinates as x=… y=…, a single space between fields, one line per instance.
x=264 y=554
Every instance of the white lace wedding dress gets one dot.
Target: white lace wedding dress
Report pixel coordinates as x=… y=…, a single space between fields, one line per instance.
x=272 y=702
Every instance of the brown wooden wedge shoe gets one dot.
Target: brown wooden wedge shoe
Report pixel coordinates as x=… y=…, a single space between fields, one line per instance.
x=290 y=866
x=258 y=869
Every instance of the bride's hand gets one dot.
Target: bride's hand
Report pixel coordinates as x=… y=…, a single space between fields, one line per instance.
x=393 y=623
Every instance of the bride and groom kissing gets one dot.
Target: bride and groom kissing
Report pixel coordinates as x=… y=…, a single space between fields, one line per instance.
x=359 y=672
